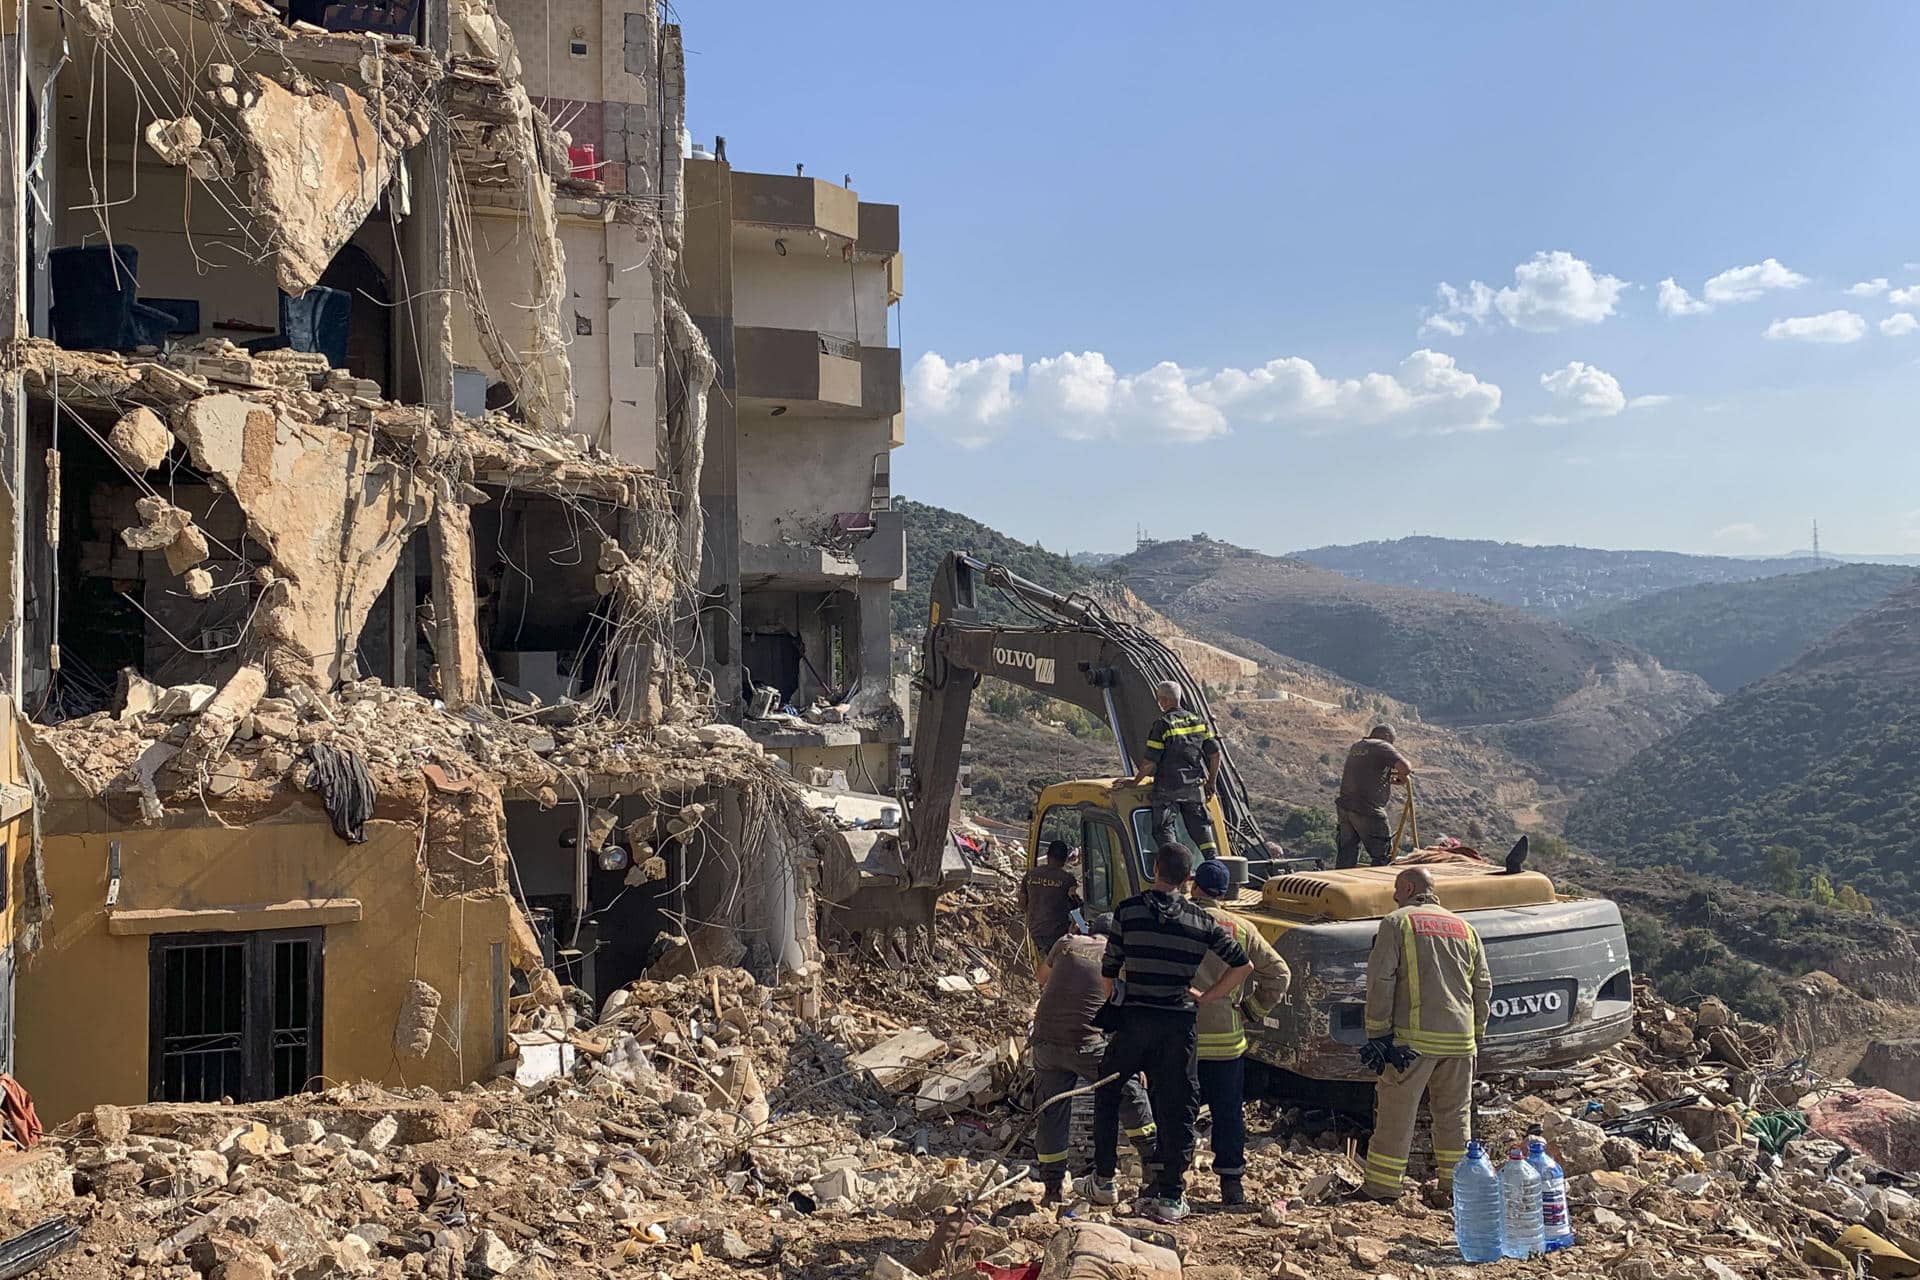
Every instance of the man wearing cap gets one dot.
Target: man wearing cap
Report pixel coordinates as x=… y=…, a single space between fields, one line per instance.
x=1221 y=1031
x=1374 y=764
x=1066 y=1053
x=1183 y=759
x=1048 y=895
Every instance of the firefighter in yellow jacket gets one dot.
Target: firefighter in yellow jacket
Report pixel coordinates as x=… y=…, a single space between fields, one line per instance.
x=1427 y=992
x=1221 y=1032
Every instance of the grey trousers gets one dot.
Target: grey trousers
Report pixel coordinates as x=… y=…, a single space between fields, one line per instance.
x=1058 y=1068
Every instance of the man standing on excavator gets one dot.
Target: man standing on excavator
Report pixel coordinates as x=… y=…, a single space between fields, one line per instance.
x=1374 y=764
x=1183 y=759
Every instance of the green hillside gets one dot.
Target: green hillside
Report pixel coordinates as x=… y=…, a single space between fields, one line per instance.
x=1815 y=769
x=1734 y=633
x=934 y=531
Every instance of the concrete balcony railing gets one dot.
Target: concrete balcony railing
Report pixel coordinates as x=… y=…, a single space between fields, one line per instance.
x=883 y=556
x=799 y=371
x=880 y=556
x=880 y=381
x=778 y=200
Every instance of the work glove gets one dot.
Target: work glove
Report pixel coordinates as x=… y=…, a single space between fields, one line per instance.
x=1373 y=1054
x=1400 y=1057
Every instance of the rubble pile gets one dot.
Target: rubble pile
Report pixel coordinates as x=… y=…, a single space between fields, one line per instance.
x=869 y=1118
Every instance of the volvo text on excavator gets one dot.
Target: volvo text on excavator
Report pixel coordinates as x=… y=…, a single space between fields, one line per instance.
x=1562 y=979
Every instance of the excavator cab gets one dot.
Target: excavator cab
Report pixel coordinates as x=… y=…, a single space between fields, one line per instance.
x=1111 y=824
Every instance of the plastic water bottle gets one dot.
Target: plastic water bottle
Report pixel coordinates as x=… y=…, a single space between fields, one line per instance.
x=1476 y=1206
x=1555 y=1223
x=1521 y=1233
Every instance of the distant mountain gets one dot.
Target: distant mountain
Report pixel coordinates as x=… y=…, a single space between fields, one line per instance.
x=1820 y=760
x=1733 y=633
x=1574 y=706
x=1094 y=559
x=1901 y=558
x=1553 y=581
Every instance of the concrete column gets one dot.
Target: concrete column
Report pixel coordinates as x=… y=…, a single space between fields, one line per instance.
x=876 y=636
x=456 y=614
x=13 y=326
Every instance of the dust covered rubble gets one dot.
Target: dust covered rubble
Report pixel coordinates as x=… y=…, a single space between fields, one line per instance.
x=707 y=1125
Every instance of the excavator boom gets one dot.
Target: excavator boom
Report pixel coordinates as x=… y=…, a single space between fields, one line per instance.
x=1070 y=649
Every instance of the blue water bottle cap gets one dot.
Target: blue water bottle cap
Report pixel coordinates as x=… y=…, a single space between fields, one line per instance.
x=1536 y=1146
x=1474 y=1149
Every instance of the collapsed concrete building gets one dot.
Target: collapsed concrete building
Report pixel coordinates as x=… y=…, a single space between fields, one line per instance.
x=362 y=546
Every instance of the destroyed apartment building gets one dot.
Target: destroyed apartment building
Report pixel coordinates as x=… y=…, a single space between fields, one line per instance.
x=398 y=528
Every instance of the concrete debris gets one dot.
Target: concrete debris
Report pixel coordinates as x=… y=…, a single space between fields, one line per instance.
x=419 y=1015
x=162 y=523
x=140 y=440
x=316 y=160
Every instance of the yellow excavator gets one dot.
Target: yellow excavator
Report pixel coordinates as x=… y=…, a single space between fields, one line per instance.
x=1562 y=977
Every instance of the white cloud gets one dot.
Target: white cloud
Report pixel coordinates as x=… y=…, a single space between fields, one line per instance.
x=1744 y=284
x=1869 y=288
x=1906 y=297
x=1829 y=326
x=1743 y=533
x=1080 y=395
x=1550 y=291
x=1648 y=402
x=971 y=399
x=1899 y=324
x=1676 y=301
x=1581 y=390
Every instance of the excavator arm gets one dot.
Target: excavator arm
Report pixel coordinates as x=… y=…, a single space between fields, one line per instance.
x=1071 y=649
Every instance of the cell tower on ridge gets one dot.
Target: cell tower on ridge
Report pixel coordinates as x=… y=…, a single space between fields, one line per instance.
x=1816 y=544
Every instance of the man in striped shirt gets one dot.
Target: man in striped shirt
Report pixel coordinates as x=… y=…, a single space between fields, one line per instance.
x=1158 y=943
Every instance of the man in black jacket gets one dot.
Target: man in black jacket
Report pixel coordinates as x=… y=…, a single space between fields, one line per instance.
x=1159 y=940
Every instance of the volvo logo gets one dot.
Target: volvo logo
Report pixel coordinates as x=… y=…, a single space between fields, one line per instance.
x=1522 y=1006
x=1042 y=668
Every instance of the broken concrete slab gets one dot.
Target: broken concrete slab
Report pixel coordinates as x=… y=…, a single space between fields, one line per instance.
x=161 y=523
x=140 y=440
x=317 y=164
x=218 y=720
x=893 y=1062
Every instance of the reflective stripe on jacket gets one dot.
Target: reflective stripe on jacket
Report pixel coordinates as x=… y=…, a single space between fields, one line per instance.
x=1428 y=982
x=1219 y=1029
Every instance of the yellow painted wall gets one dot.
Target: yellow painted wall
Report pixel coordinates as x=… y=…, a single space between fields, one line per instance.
x=82 y=1000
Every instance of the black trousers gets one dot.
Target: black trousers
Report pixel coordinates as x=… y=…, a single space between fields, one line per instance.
x=1223 y=1086
x=1192 y=813
x=1160 y=1043
x=1359 y=828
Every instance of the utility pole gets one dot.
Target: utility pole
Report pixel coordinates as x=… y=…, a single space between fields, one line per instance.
x=1816 y=544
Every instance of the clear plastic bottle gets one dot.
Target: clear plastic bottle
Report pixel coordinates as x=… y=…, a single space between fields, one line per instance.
x=1555 y=1221
x=1476 y=1206
x=1521 y=1233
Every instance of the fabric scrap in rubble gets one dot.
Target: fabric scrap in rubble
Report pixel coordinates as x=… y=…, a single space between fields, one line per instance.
x=345 y=790
x=1882 y=1126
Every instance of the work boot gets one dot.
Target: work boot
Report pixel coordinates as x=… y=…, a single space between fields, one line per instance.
x=1051 y=1191
x=1232 y=1189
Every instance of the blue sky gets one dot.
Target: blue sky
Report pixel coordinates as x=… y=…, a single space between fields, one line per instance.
x=1181 y=269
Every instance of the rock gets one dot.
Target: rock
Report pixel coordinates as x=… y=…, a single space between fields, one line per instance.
x=112 y=1124
x=140 y=440
x=1711 y=1128
x=1607 y=1220
x=1286 y=1269
x=1095 y=1251
x=1580 y=1147
x=731 y=1248
x=254 y=1140
x=1894 y=1065
x=353 y=1255
x=1713 y=1012
x=199 y=584
x=297 y=1133
x=207 y=1168
x=840 y=1184
x=381 y=1136
x=188 y=548
x=249 y=1264
x=183 y=700
x=1690 y=1184
x=1603 y=1187
x=886 y=1267
x=1716 y=1269
x=686 y=1104
x=723 y=735
x=1369 y=1252
x=490 y=1256
x=1621 y=1153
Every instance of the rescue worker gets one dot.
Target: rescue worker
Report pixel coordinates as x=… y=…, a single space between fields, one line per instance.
x=1155 y=952
x=1427 y=991
x=1373 y=765
x=1183 y=759
x=1066 y=1053
x=1048 y=895
x=1221 y=1034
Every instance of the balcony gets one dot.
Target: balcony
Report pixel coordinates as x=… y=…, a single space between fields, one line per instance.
x=776 y=200
x=880 y=381
x=801 y=371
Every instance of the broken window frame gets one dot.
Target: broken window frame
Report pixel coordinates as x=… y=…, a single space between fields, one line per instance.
x=260 y=1033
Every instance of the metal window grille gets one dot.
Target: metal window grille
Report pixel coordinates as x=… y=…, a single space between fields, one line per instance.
x=234 y=1015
